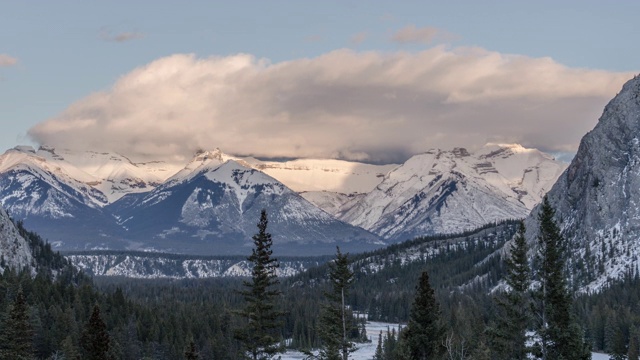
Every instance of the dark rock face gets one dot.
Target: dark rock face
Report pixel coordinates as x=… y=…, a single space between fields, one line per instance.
x=597 y=199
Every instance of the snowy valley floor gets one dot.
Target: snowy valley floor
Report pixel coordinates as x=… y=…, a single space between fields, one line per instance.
x=366 y=351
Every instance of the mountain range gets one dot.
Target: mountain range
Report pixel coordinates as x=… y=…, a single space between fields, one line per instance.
x=85 y=200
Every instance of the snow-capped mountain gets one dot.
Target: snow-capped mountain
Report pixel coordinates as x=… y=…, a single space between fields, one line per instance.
x=51 y=201
x=328 y=184
x=333 y=203
x=451 y=191
x=112 y=174
x=213 y=208
x=597 y=199
x=21 y=168
x=311 y=175
x=14 y=250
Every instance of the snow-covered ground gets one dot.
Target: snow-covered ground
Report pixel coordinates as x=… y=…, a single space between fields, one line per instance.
x=597 y=356
x=365 y=351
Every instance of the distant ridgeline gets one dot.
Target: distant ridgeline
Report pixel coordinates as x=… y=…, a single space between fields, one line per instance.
x=148 y=265
x=386 y=278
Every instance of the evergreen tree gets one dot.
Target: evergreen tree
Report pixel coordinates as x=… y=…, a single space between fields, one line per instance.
x=95 y=338
x=17 y=334
x=560 y=336
x=508 y=333
x=390 y=343
x=634 y=344
x=424 y=332
x=191 y=353
x=336 y=321
x=379 y=354
x=260 y=334
x=69 y=350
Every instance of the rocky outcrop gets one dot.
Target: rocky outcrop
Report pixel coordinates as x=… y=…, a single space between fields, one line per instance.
x=14 y=250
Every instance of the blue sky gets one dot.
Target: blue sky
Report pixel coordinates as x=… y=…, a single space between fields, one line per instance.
x=56 y=54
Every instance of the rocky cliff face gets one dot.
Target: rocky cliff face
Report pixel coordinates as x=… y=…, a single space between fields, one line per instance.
x=14 y=250
x=597 y=199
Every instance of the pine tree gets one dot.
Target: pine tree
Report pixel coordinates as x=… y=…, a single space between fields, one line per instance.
x=17 y=334
x=69 y=350
x=634 y=344
x=561 y=337
x=379 y=354
x=425 y=332
x=336 y=321
x=190 y=352
x=95 y=338
x=260 y=334
x=508 y=333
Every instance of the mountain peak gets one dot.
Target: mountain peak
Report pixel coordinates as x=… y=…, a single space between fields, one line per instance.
x=215 y=154
x=25 y=149
x=597 y=196
x=460 y=152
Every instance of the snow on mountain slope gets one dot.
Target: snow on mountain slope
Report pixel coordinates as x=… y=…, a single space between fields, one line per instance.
x=529 y=173
x=450 y=191
x=202 y=161
x=324 y=175
x=112 y=174
x=332 y=202
x=328 y=184
x=33 y=185
x=14 y=250
x=214 y=209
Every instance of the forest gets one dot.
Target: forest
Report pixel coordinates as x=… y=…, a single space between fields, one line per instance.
x=445 y=291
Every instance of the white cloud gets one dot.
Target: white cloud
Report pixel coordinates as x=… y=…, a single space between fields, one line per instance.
x=6 y=60
x=424 y=35
x=359 y=105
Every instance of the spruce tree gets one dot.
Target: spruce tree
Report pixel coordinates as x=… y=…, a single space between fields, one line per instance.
x=260 y=335
x=633 y=352
x=17 y=334
x=336 y=321
x=69 y=349
x=424 y=333
x=560 y=336
x=379 y=354
x=95 y=338
x=508 y=333
x=190 y=352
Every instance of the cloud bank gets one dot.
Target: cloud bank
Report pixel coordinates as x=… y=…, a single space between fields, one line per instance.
x=368 y=106
x=6 y=60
